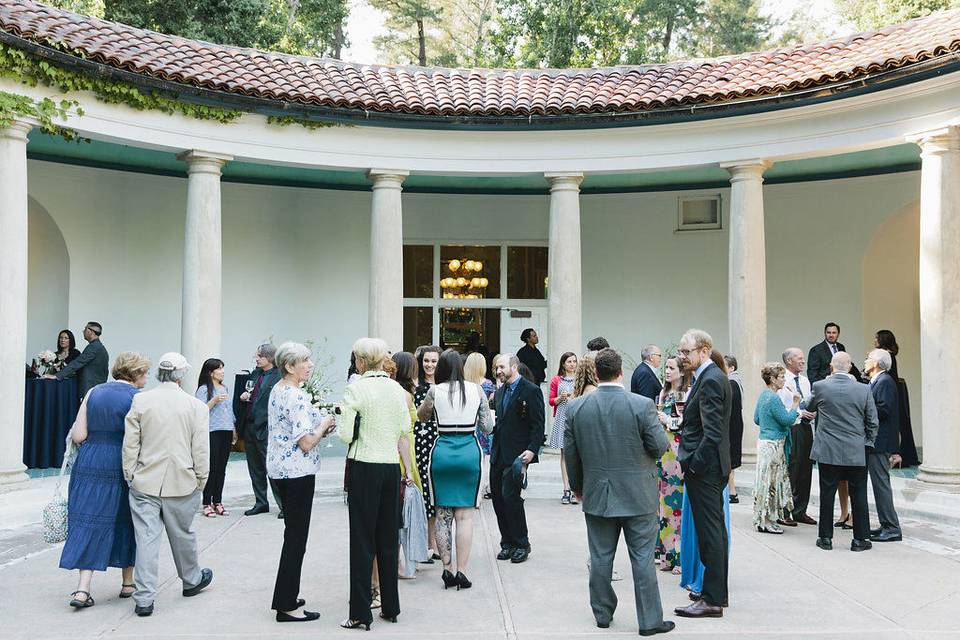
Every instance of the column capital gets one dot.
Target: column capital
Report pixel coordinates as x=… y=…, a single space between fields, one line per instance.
x=746 y=169
x=564 y=180
x=937 y=140
x=18 y=129
x=199 y=161
x=387 y=178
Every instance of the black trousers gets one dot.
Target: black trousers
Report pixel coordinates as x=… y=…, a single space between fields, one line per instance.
x=374 y=507
x=856 y=477
x=297 y=496
x=508 y=505
x=706 y=499
x=256 y=451
x=801 y=467
x=220 y=442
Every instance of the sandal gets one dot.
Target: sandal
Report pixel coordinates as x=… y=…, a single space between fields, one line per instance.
x=77 y=603
x=375 y=598
x=219 y=508
x=127 y=594
x=208 y=511
x=355 y=624
x=573 y=498
x=566 y=497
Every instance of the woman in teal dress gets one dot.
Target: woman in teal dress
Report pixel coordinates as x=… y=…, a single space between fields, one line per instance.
x=772 y=494
x=671 y=477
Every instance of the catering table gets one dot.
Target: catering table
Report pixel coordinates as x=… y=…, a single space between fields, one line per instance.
x=49 y=410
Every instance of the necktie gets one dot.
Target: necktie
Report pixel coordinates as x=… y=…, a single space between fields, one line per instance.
x=833 y=349
x=799 y=390
x=506 y=397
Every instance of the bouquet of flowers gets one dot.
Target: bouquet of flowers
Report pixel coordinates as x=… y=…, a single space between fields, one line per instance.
x=45 y=362
x=320 y=383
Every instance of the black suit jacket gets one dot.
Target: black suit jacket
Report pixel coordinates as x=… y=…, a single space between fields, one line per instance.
x=645 y=383
x=520 y=426
x=886 y=397
x=262 y=401
x=818 y=362
x=91 y=367
x=705 y=440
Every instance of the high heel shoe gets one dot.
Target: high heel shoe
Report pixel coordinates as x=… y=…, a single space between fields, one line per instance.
x=449 y=580
x=462 y=582
x=355 y=624
x=842 y=524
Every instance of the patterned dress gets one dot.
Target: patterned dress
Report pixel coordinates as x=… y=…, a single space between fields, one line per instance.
x=560 y=414
x=424 y=436
x=671 y=494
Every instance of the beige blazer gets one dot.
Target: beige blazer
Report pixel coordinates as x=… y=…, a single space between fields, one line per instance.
x=166 y=450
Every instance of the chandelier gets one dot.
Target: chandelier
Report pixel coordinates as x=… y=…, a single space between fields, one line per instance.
x=465 y=281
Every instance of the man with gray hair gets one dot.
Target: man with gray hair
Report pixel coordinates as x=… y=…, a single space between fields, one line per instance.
x=801 y=434
x=645 y=380
x=255 y=428
x=166 y=460
x=846 y=428
x=885 y=395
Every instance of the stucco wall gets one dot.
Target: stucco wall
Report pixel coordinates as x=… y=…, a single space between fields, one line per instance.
x=296 y=264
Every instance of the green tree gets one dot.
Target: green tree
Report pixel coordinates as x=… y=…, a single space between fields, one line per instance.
x=875 y=14
x=728 y=26
x=85 y=7
x=411 y=28
x=305 y=27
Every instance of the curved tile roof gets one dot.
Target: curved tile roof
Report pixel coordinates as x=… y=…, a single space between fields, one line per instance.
x=483 y=92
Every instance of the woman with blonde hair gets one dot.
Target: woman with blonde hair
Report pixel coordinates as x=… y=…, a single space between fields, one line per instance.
x=373 y=481
x=475 y=371
x=99 y=525
x=773 y=495
x=585 y=380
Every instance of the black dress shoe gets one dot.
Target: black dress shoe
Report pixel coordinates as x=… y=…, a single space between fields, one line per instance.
x=734 y=499
x=603 y=625
x=665 y=627
x=825 y=543
x=887 y=536
x=875 y=532
x=699 y=609
x=505 y=553
x=257 y=510
x=143 y=611
x=283 y=616
x=206 y=577
x=860 y=545
x=696 y=597
x=520 y=555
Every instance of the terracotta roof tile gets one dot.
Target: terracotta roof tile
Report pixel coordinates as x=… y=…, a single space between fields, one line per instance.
x=482 y=92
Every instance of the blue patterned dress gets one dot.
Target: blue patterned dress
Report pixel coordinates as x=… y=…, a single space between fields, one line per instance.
x=100 y=529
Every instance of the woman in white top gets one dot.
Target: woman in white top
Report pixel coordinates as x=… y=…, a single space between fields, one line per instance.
x=293 y=460
x=459 y=408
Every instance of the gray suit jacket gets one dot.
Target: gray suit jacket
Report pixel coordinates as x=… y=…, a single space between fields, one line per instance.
x=612 y=441
x=846 y=421
x=91 y=367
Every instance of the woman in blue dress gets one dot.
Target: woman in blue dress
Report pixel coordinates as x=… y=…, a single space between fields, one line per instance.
x=99 y=526
x=459 y=408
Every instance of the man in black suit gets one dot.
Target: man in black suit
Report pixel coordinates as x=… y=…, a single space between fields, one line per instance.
x=818 y=360
x=517 y=439
x=886 y=445
x=646 y=377
x=704 y=456
x=529 y=355
x=255 y=429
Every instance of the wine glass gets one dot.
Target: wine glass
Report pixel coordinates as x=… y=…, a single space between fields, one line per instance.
x=249 y=387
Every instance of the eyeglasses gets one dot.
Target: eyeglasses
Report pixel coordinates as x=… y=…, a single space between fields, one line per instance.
x=684 y=352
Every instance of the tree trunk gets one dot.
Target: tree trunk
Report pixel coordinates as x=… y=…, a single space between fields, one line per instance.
x=668 y=36
x=338 y=38
x=422 y=37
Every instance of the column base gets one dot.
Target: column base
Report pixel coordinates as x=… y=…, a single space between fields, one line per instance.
x=13 y=476
x=939 y=479
x=748 y=457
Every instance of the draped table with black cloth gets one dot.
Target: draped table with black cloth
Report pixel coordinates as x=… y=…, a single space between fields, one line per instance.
x=50 y=407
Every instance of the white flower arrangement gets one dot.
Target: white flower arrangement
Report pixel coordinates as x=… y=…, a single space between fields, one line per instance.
x=320 y=383
x=46 y=362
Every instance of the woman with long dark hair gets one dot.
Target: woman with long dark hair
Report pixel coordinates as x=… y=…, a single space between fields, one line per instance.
x=908 y=457
x=459 y=408
x=561 y=392
x=425 y=432
x=223 y=434
x=66 y=350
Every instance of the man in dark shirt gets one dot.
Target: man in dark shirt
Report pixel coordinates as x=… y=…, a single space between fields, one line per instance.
x=92 y=366
x=531 y=356
x=255 y=428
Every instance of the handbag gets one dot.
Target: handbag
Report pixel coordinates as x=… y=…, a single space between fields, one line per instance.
x=54 y=514
x=346 y=463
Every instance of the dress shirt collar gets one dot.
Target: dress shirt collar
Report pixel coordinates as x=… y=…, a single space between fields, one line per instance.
x=655 y=372
x=610 y=384
x=703 y=366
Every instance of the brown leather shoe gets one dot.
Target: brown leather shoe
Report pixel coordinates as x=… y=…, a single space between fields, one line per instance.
x=697 y=596
x=787 y=522
x=699 y=609
x=805 y=519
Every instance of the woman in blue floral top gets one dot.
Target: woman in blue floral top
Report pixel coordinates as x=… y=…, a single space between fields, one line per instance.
x=293 y=460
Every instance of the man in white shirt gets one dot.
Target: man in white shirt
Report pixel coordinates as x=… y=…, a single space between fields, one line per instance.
x=801 y=433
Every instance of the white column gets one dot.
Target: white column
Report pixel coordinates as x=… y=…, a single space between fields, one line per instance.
x=940 y=305
x=565 y=325
x=386 y=257
x=13 y=296
x=747 y=282
x=200 y=320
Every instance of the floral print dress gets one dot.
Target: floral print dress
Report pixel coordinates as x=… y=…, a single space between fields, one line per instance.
x=671 y=494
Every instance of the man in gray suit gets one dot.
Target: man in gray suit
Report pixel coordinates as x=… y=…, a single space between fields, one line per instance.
x=92 y=365
x=846 y=427
x=612 y=441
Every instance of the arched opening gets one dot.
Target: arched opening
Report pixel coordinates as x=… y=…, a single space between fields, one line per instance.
x=48 y=281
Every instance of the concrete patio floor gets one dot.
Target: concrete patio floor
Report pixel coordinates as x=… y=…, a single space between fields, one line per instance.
x=780 y=586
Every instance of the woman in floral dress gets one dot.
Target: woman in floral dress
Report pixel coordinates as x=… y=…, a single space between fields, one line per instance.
x=674 y=394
